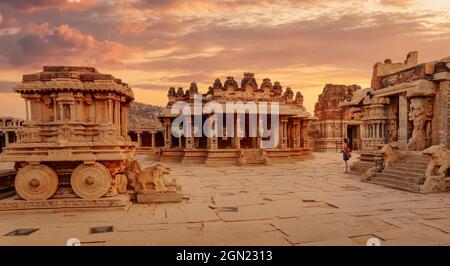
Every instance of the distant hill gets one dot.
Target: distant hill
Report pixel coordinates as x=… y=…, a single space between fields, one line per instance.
x=143 y=115
x=143 y=110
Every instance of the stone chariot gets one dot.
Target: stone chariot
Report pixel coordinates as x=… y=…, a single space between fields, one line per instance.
x=74 y=136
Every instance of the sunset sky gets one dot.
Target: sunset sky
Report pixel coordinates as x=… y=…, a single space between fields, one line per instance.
x=156 y=44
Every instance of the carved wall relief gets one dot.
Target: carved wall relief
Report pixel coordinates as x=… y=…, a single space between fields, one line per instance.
x=421 y=112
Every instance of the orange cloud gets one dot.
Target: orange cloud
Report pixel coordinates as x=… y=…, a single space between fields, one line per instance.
x=42 y=44
x=160 y=43
x=38 y=5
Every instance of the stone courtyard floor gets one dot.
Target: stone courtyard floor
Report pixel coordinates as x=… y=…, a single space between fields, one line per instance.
x=309 y=203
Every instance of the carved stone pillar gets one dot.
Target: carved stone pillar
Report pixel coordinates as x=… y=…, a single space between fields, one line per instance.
x=378 y=129
x=236 y=138
x=296 y=135
x=139 y=135
x=284 y=134
x=6 y=138
x=403 y=122
x=444 y=132
x=259 y=137
x=421 y=112
x=79 y=104
x=123 y=119
x=153 y=140
x=167 y=135
x=212 y=140
x=27 y=111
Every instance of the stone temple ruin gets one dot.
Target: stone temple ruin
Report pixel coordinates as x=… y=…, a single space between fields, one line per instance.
x=405 y=112
x=239 y=148
x=8 y=129
x=332 y=122
x=74 y=140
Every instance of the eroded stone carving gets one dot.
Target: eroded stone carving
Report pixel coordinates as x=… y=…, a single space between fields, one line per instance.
x=393 y=131
x=299 y=98
x=155 y=178
x=391 y=154
x=436 y=174
x=288 y=94
x=420 y=113
x=153 y=186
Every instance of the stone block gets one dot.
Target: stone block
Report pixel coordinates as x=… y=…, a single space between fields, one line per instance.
x=158 y=197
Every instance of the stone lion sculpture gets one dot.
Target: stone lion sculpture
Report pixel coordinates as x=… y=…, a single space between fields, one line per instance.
x=156 y=177
x=435 y=175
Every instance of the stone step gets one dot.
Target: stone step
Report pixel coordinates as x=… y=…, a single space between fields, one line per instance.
x=417 y=158
x=408 y=170
x=361 y=167
x=413 y=163
x=359 y=170
x=407 y=167
x=382 y=178
x=396 y=185
x=255 y=160
x=398 y=181
x=402 y=178
x=364 y=162
x=423 y=158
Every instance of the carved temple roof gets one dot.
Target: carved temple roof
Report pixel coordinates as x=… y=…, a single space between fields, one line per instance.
x=248 y=90
x=72 y=78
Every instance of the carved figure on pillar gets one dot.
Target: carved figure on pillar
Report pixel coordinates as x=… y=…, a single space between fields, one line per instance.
x=420 y=113
x=393 y=131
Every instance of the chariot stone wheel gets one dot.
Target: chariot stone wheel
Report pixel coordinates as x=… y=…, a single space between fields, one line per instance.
x=90 y=181
x=36 y=182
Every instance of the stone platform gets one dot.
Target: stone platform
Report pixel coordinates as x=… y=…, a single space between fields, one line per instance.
x=15 y=203
x=309 y=202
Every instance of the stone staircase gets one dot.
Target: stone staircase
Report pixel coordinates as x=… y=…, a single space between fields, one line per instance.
x=360 y=167
x=364 y=162
x=407 y=174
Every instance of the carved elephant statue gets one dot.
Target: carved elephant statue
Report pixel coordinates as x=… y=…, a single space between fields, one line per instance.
x=435 y=175
x=391 y=154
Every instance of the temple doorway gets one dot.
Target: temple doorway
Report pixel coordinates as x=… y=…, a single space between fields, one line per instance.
x=146 y=139
x=133 y=136
x=159 y=139
x=2 y=142
x=354 y=138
